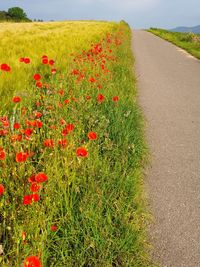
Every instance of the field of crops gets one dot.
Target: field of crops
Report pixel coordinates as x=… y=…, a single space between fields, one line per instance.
x=72 y=149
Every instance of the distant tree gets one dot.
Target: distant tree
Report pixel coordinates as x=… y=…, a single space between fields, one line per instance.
x=17 y=13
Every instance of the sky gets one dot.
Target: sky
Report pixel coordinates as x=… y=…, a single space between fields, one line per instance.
x=140 y=14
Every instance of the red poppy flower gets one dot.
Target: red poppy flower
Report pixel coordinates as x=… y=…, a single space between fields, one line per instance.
x=32 y=261
x=92 y=135
x=51 y=62
x=41 y=177
x=35 y=197
x=38 y=115
x=61 y=92
x=16 y=99
x=16 y=137
x=54 y=228
x=53 y=71
x=115 y=98
x=75 y=72
x=27 y=60
x=21 y=59
x=37 y=77
x=62 y=143
x=81 y=152
x=27 y=200
x=3 y=132
x=5 y=124
x=48 y=143
x=64 y=132
x=28 y=132
x=34 y=187
x=39 y=124
x=92 y=80
x=2 y=189
x=100 y=98
x=66 y=102
x=16 y=125
x=70 y=127
x=23 y=236
x=21 y=157
x=39 y=84
x=45 y=61
x=31 y=179
x=5 y=67
x=2 y=154
x=88 y=97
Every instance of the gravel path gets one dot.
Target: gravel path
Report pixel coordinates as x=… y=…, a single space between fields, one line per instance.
x=169 y=93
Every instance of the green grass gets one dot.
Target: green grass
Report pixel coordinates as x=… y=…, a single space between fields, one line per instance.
x=97 y=202
x=188 y=41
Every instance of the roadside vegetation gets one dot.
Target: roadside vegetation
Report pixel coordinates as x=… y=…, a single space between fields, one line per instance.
x=188 y=41
x=72 y=149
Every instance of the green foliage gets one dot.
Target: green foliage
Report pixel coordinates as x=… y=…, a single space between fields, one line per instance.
x=188 y=41
x=14 y=14
x=97 y=202
x=17 y=13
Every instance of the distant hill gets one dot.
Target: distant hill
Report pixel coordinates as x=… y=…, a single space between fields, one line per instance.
x=195 y=29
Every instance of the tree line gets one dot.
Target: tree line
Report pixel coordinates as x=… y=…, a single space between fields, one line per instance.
x=14 y=14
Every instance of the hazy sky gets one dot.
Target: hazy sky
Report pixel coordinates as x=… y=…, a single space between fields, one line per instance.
x=138 y=13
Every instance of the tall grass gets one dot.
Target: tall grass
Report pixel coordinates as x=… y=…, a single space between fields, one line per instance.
x=188 y=41
x=90 y=211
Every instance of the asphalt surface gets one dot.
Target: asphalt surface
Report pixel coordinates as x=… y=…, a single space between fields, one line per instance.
x=169 y=94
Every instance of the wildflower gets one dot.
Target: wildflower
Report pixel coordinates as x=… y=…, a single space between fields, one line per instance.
x=62 y=143
x=27 y=200
x=2 y=189
x=27 y=60
x=45 y=60
x=92 y=80
x=70 y=127
x=39 y=84
x=35 y=197
x=2 y=154
x=81 y=152
x=54 y=228
x=37 y=77
x=51 y=62
x=21 y=59
x=48 y=143
x=92 y=135
x=23 y=236
x=16 y=137
x=39 y=124
x=66 y=102
x=38 y=115
x=34 y=187
x=53 y=71
x=16 y=99
x=5 y=67
x=28 y=132
x=41 y=177
x=32 y=261
x=100 y=98
x=88 y=97
x=31 y=179
x=16 y=126
x=115 y=99
x=21 y=157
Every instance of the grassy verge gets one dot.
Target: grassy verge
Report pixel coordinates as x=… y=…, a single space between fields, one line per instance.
x=188 y=41
x=74 y=197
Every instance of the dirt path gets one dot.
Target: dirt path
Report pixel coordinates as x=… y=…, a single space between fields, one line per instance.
x=169 y=93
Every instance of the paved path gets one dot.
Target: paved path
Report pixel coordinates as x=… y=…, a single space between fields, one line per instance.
x=169 y=93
